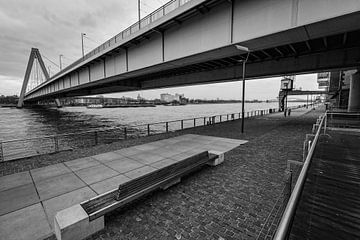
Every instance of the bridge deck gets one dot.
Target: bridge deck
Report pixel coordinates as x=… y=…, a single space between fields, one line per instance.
x=329 y=207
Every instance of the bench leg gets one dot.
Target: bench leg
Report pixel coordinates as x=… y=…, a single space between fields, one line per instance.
x=73 y=223
x=218 y=160
x=171 y=183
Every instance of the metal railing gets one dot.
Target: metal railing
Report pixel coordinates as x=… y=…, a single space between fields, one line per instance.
x=29 y=147
x=152 y=17
x=284 y=227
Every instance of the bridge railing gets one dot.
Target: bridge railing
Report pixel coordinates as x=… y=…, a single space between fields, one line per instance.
x=29 y=147
x=285 y=224
x=152 y=17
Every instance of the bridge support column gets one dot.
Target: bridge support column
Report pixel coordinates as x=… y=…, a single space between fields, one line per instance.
x=58 y=103
x=354 y=94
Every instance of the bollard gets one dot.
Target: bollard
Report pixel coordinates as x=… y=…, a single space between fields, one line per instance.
x=96 y=138
x=194 y=122
x=148 y=129
x=227 y=117
x=1 y=152
x=182 y=124
x=56 y=144
x=220 y=118
x=167 y=126
x=213 y=120
x=204 y=121
x=125 y=133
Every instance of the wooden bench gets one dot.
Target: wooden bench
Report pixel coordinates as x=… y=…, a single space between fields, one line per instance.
x=88 y=212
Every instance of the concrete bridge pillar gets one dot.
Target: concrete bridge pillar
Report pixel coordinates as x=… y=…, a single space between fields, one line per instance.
x=58 y=103
x=354 y=94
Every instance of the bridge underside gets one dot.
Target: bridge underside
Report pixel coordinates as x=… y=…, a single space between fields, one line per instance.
x=338 y=51
x=331 y=44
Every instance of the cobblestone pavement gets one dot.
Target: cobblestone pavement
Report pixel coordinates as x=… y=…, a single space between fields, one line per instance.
x=230 y=201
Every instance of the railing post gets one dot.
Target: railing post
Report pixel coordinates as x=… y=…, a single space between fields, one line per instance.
x=148 y=129
x=325 y=123
x=194 y=122
x=125 y=133
x=220 y=118
x=227 y=117
x=56 y=144
x=204 y=121
x=1 y=152
x=213 y=120
x=239 y=115
x=167 y=127
x=96 y=138
x=182 y=124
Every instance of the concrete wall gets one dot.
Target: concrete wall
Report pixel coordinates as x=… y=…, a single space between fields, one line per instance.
x=84 y=75
x=253 y=19
x=97 y=71
x=147 y=53
x=199 y=34
x=115 y=65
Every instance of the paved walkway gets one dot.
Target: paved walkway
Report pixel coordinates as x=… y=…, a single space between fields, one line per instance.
x=29 y=200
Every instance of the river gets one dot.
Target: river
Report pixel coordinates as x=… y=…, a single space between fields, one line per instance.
x=27 y=123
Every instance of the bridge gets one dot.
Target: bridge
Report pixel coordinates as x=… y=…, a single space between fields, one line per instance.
x=187 y=42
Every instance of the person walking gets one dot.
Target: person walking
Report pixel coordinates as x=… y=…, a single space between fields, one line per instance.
x=285 y=111
x=289 y=112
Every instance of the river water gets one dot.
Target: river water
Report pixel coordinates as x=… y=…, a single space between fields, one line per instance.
x=28 y=123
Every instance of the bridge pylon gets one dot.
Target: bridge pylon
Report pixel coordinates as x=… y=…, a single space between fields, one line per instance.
x=34 y=54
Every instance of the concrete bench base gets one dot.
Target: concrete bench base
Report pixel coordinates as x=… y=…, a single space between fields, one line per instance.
x=73 y=223
x=218 y=160
x=172 y=183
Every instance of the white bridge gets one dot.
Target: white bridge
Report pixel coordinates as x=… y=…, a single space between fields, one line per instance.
x=193 y=42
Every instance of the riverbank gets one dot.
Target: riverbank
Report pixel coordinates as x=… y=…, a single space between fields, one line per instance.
x=230 y=201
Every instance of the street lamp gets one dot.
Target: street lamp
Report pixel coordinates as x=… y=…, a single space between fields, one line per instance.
x=243 y=49
x=82 y=43
x=60 y=56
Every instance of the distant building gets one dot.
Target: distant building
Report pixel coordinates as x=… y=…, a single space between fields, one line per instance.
x=166 y=97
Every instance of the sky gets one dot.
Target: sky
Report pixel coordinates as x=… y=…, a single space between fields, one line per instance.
x=55 y=27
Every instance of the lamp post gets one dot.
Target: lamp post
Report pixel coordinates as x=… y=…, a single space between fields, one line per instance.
x=139 y=12
x=243 y=49
x=60 y=56
x=82 y=43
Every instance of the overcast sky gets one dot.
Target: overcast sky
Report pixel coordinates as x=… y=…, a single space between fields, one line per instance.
x=54 y=27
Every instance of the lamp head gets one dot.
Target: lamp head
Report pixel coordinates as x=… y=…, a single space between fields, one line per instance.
x=242 y=48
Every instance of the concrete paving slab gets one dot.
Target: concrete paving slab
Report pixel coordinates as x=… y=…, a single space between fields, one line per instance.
x=58 y=185
x=128 y=151
x=16 y=198
x=187 y=154
x=82 y=163
x=147 y=157
x=15 y=180
x=107 y=157
x=53 y=205
x=95 y=174
x=167 y=152
x=163 y=163
x=109 y=184
x=25 y=224
x=124 y=165
x=140 y=172
x=146 y=147
x=39 y=174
